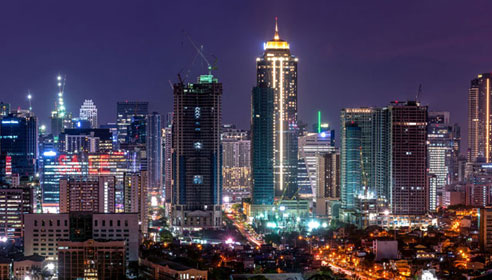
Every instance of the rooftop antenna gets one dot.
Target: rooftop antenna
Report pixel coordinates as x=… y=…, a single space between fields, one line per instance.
x=419 y=93
x=29 y=97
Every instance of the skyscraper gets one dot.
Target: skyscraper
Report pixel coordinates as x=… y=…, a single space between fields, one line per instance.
x=277 y=69
x=262 y=111
x=197 y=166
x=479 y=118
x=328 y=190
x=88 y=111
x=236 y=163
x=351 y=165
x=135 y=188
x=154 y=158
x=125 y=111
x=90 y=194
x=408 y=158
x=18 y=144
x=441 y=153
x=167 y=137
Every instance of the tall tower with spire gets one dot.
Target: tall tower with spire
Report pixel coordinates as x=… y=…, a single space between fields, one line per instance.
x=277 y=69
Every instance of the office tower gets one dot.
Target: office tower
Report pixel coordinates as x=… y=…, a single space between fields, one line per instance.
x=60 y=118
x=197 y=159
x=351 y=165
x=113 y=128
x=88 y=111
x=312 y=145
x=43 y=232
x=4 y=109
x=262 y=118
x=125 y=112
x=91 y=259
x=56 y=166
x=88 y=194
x=365 y=185
x=154 y=158
x=236 y=163
x=328 y=183
x=485 y=228
x=479 y=113
x=442 y=153
x=167 y=142
x=14 y=203
x=408 y=158
x=135 y=188
x=18 y=144
x=95 y=140
x=277 y=68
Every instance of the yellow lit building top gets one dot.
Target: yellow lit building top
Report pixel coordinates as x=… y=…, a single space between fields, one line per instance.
x=276 y=43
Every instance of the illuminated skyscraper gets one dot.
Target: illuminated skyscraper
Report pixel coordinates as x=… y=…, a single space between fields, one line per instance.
x=126 y=111
x=197 y=160
x=277 y=69
x=18 y=144
x=479 y=118
x=88 y=111
x=154 y=157
x=167 y=137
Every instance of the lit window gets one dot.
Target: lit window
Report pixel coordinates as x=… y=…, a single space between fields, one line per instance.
x=198 y=179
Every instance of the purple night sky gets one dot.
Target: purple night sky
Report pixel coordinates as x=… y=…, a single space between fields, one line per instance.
x=351 y=53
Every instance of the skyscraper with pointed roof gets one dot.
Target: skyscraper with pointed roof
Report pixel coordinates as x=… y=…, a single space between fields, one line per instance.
x=277 y=69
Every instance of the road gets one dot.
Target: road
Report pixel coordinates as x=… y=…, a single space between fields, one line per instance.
x=243 y=231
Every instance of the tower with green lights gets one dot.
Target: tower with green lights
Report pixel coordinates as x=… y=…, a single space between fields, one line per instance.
x=60 y=118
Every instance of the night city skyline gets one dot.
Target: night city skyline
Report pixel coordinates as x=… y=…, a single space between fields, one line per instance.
x=349 y=55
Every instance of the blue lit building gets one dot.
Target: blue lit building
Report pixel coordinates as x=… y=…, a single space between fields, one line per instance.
x=351 y=165
x=262 y=114
x=18 y=144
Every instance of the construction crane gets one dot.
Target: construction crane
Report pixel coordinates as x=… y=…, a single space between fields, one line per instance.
x=199 y=51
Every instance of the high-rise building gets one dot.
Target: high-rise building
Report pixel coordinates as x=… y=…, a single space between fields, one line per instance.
x=197 y=159
x=409 y=193
x=351 y=165
x=95 y=140
x=236 y=164
x=18 y=144
x=154 y=158
x=91 y=259
x=88 y=111
x=479 y=118
x=126 y=111
x=328 y=183
x=485 y=228
x=14 y=203
x=441 y=154
x=135 y=188
x=262 y=110
x=277 y=69
x=311 y=146
x=167 y=142
x=90 y=195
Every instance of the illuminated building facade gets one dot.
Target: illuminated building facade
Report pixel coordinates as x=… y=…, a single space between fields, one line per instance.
x=154 y=158
x=262 y=116
x=351 y=165
x=91 y=259
x=236 y=164
x=88 y=111
x=479 y=117
x=136 y=200
x=311 y=146
x=197 y=154
x=91 y=195
x=167 y=143
x=277 y=69
x=328 y=184
x=18 y=144
x=442 y=154
x=97 y=140
x=126 y=111
x=82 y=165
x=4 y=109
x=14 y=203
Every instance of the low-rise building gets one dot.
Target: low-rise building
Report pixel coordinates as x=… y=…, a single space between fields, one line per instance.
x=156 y=268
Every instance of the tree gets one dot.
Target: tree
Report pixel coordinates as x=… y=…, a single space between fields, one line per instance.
x=166 y=236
